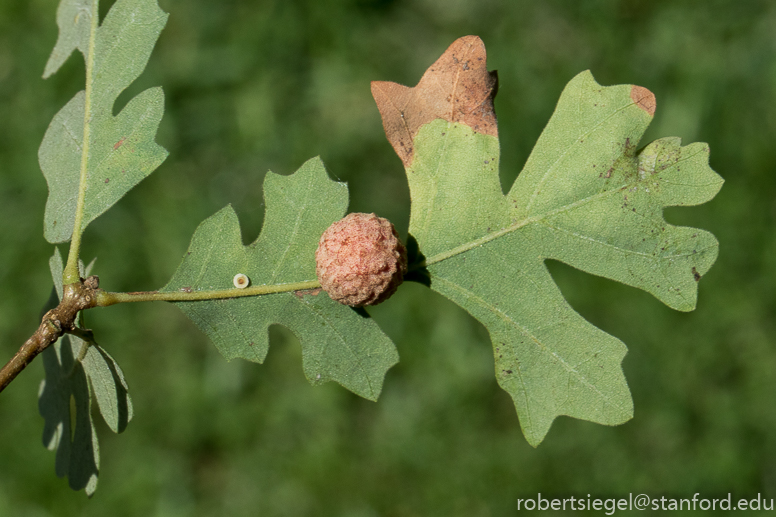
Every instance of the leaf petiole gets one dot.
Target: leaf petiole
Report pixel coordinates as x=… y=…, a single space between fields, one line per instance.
x=71 y=273
x=105 y=298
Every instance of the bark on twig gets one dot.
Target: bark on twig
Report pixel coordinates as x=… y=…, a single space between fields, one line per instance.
x=57 y=321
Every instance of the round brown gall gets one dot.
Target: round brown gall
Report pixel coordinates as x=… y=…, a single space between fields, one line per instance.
x=360 y=260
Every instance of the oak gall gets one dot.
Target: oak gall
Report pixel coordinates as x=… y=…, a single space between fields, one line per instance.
x=360 y=260
x=241 y=281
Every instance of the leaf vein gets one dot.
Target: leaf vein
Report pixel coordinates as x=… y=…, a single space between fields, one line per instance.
x=576 y=143
x=361 y=370
x=541 y=346
x=294 y=232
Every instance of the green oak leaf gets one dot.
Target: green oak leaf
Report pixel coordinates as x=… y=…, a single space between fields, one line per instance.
x=87 y=152
x=586 y=197
x=338 y=342
x=77 y=371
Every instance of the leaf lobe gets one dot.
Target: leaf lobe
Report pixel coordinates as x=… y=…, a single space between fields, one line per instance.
x=457 y=88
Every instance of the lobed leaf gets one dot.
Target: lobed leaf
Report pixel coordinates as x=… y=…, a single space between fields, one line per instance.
x=77 y=371
x=118 y=151
x=338 y=342
x=66 y=389
x=585 y=197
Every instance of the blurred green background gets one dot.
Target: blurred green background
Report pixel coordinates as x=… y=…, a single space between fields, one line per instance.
x=253 y=85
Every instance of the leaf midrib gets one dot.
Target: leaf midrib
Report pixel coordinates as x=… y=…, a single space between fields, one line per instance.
x=439 y=257
x=71 y=273
x=537 y=342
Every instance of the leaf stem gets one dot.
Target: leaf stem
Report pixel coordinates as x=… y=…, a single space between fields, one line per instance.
x=105 y=298
x=71 y=274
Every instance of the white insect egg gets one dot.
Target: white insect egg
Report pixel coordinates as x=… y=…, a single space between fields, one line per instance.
x=241 y=281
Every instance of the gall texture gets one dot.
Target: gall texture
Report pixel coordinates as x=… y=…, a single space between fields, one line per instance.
x=360 y=260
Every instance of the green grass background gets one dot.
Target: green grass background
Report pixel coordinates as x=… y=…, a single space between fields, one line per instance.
x=253 y=85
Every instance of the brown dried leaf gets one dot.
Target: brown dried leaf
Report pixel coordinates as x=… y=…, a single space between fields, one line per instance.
x=456 y=88
x=644 y=98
